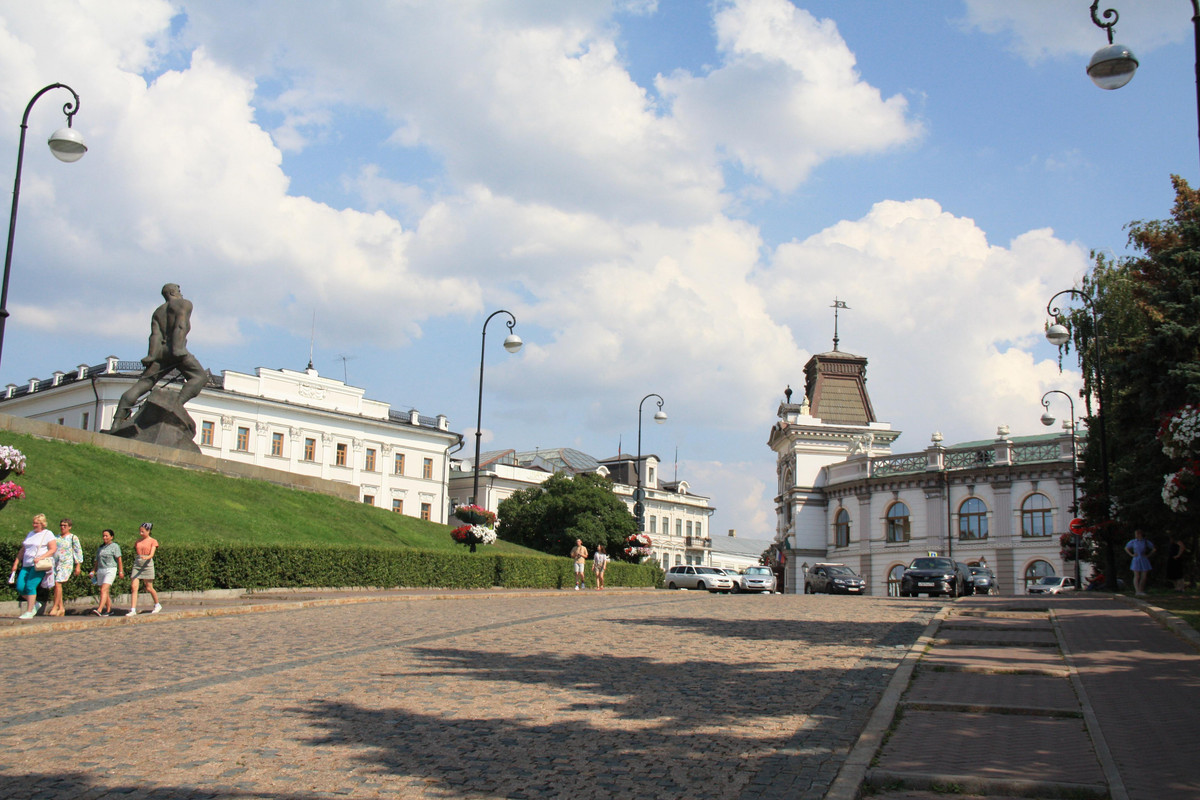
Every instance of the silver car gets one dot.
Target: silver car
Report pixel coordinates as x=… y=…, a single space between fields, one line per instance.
x=758 y=579
x=683 y=576
x=1052 y=584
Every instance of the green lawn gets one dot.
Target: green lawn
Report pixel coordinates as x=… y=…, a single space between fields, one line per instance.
x=101 y=489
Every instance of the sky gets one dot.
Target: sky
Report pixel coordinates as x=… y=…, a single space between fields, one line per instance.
x=668 y=196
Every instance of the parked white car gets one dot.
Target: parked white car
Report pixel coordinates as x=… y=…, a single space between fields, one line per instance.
x=683 y=576
x=1053 y=584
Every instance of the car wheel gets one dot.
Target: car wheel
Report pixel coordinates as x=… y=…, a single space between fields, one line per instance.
x=672 y=585
x=700 y=585
x=808 y=588
x=953 y=591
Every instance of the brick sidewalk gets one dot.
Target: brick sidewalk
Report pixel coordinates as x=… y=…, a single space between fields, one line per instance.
x=1108 y=711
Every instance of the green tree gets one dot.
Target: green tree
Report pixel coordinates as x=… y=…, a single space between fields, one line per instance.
x=551 y=516
x=1148 y=306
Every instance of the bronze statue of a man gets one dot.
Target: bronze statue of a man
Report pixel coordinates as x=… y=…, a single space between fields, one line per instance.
x=169 y=326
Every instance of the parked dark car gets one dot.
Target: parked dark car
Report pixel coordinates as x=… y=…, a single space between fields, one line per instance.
x=833 y=579
x=934 y=576
x=983 y=581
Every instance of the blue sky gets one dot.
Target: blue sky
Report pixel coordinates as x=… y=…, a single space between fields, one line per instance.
x=668 y=195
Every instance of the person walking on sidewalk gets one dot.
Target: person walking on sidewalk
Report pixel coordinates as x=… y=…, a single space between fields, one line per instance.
x=35 y=558
x=143 y=568
x=1175 y=553
x=579 y=553
x=1140 y=548
x=68 y=563
x=108 y=567
x=599 y=564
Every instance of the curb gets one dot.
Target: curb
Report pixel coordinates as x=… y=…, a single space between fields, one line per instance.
x=854 y=771
x=146 y=618
x=972 y=784
x=1168 y=620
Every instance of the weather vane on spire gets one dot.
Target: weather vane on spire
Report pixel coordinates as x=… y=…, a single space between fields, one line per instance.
x=837 y=304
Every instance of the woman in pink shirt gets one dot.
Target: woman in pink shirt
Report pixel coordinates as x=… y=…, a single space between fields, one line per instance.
x=143 y=568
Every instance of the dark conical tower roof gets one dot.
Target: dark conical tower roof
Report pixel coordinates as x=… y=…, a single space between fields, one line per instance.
x=836 y=387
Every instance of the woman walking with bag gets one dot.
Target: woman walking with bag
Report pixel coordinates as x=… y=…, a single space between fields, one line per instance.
x=34 y=559
x=68 y=562
x=143 y=568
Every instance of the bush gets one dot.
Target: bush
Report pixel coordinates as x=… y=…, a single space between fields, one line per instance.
x=200 y=568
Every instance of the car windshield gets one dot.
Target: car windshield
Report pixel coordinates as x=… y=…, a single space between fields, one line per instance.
x=709 y=571
x=758 y=571
x=1049 y=581
x=932 y=563
x=841 y=571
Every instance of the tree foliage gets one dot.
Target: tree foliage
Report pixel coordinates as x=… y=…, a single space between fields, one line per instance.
x=551 y=516
x=1148 y=311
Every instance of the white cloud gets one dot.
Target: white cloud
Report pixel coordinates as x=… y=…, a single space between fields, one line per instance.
x=1038 y=30
x=786 y=96
x=948 y=320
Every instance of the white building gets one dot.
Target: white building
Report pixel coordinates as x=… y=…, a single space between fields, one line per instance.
x=298 y=422
x=844 y=497
x=677 y=519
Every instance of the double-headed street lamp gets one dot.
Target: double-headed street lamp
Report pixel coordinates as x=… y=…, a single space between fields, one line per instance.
x=639 y=497
x=67 y=145
x=1113 y=66
x=1058 y=335
x=512 y=343
x=1048 y=420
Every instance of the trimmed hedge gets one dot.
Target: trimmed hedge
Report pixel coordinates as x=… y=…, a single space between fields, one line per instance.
x=192 y=569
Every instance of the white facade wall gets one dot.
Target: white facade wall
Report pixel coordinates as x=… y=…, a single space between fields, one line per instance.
x=266 y=419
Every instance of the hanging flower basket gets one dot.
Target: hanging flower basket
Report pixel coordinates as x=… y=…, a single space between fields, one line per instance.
x=473 y=535
x=637 y=545
x=10 y=491
x=475 y=515
x=11 y=460
x=1180 y=432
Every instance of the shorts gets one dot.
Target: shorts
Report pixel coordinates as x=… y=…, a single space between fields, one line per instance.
x=27 y=581
x=142 y=569
x=106 y=576
x=579 y=567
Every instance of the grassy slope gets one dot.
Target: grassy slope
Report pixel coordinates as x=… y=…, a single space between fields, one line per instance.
x=100 y=489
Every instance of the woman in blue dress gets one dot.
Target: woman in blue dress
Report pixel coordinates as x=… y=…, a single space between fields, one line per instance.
x=1140 y=549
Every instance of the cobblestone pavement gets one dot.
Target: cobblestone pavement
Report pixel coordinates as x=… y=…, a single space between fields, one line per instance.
x=654 y=694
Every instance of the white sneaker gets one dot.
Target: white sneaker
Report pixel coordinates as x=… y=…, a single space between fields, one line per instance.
x=132 y=612
x=27 y=615
x=157 y=608
x=37 y=607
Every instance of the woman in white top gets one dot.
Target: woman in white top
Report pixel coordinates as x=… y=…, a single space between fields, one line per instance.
x=599 y=564
x=39 y=544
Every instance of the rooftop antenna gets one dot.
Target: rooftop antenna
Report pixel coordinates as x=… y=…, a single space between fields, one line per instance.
x=312 y=338
x=344 y=358
x=837 y=304
x=677 y=463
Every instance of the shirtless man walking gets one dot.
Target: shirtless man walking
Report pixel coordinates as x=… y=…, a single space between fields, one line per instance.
x=580 y=554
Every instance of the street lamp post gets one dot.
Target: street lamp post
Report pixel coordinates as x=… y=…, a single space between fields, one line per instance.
x=1058 y=335
x=67 y=145
x=639 y=497
x=512 y=343
x=1048 y=420
x=1113 y=66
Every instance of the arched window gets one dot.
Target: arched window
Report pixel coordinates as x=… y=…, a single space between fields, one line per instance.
x=972 y=519
x=1036 y=517
x=893 y=580
x=1037 y=569
x=897 y=523
x=841 y=528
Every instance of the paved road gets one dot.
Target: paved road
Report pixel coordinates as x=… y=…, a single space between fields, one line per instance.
x=653 y=694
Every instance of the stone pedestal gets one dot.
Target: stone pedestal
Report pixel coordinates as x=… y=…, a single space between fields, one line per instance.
x=162 y=420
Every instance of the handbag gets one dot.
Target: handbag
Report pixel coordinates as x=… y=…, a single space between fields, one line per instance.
x=44 y=564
